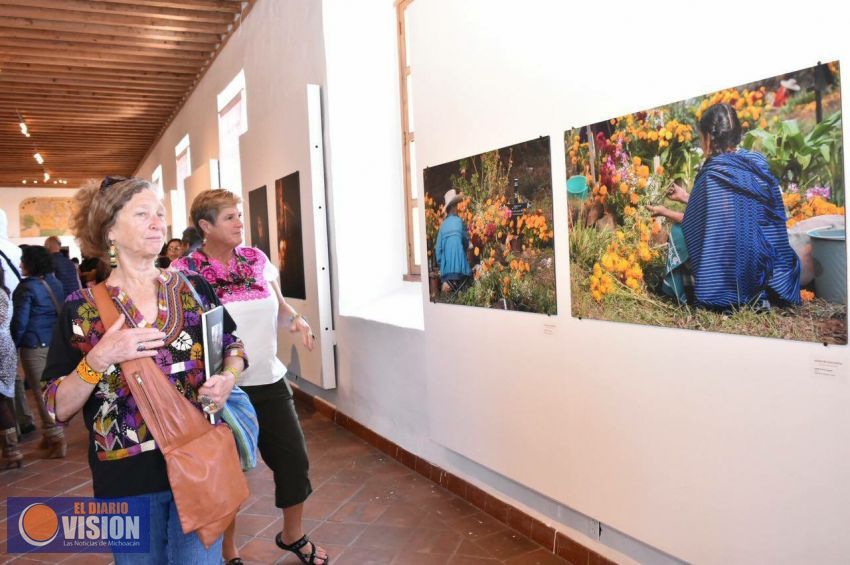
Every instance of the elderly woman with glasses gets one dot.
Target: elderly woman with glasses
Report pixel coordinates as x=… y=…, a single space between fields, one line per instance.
x=160 y=317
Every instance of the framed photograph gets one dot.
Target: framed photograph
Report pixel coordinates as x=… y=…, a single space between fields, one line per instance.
x=258 y=205
x=290 y=239
x=489 y=228
x=722 y=212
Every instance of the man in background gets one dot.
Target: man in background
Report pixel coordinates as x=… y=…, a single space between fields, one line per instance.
x=63 y=268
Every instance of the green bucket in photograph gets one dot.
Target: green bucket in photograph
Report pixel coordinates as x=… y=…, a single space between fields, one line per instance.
x=577 y=187
x=830 y=264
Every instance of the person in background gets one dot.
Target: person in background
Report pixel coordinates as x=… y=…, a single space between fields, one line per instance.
x=11 y=455
x=192 y=239
x=10 y=255
x=173 y=249
x=451 y=246
x=37 y=304
x=246 y=283
x=63 y=268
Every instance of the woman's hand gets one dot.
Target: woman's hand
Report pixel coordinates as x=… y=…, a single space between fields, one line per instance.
x=121 y=344
x=677 y=193
x=666 y=212
x=217 y=389
x=658 y=210
x=299 y=324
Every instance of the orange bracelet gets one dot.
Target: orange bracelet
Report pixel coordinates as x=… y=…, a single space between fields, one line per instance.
x=87 y=373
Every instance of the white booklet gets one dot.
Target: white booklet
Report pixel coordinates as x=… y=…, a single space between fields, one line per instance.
x=212 y=325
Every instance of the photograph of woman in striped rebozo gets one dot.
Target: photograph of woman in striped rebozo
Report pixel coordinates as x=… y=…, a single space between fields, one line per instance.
x=732 y=248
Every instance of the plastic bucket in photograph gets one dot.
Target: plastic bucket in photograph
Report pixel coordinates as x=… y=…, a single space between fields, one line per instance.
x=577 y=187
x=830 y=264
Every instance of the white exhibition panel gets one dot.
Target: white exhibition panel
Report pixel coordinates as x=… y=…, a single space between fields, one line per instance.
x=277 y=141
x=714 y=448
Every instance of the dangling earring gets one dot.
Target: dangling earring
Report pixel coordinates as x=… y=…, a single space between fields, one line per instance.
x=113 y=255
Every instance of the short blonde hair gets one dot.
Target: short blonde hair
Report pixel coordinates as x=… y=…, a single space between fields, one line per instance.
x=208 y=204
x=95 y=209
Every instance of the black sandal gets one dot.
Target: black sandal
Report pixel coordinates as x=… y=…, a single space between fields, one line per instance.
x=296 y=549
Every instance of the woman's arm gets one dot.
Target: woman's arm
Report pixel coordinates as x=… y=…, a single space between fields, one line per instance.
x=666 y=212
x=299 y=323
x=22 y=305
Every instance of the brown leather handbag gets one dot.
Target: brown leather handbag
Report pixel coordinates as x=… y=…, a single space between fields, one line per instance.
x=203 y=466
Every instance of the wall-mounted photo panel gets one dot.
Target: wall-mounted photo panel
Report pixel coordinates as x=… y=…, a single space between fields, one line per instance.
x=489 y=228
x=290 y=240
x=723 y=212
x=258 y=205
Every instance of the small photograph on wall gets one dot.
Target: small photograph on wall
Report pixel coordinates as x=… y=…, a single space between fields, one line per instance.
x=489 y=228
x=259 y=219
x=44 y=216
x=290 y=242
x=723 y=212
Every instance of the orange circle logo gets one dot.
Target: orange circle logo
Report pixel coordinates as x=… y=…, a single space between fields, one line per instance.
x=38 y=524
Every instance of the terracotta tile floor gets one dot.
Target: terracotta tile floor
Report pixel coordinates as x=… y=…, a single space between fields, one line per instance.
x=366 y=508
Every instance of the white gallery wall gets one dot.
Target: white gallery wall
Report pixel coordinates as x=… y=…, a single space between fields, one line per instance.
x=713 y=448
x=279 y=46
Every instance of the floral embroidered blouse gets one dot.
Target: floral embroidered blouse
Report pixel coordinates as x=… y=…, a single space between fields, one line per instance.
x=123 y=455
x=241 y=279
x=244 y=285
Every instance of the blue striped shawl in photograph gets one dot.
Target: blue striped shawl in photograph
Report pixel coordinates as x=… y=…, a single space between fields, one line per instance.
x=736 y=237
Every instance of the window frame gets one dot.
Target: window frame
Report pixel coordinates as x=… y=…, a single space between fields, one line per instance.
x=411 y=204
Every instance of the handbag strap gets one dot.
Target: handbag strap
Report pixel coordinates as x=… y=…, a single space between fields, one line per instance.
x=11 y=265
x=137 y=369
x=191 y=288
x=52 y=296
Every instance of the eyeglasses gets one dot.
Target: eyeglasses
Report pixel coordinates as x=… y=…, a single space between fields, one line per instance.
x=109 y=181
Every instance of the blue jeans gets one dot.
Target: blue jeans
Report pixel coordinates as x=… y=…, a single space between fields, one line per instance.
x=168 y=542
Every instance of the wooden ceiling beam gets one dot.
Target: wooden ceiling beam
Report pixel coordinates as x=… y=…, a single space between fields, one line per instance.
x=94 y=73
x=225 y=6
x=10 y=78
x=191 y=58
x=21 y=100
x=14 y=50
x=69 y=60
x=112 y=29
x=83 y=92
x=17 y=11
x=103 y=41
x=156 y=15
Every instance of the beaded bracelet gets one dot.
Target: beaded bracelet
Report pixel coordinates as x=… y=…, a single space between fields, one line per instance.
x=88 y=374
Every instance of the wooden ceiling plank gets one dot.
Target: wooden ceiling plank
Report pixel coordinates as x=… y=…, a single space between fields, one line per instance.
x=112 y=29
x=129 y=86
x=101 y=40
x=11 y=9
x=87 y=92
x=95 y=64
x=225 y=6
x=64 y=70
x=135 y=10
x=192 y=57
x=99 y=56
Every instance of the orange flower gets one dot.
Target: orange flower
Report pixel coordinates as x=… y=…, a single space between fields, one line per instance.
x=624 y=188
x=634 y=198
x=807 y=295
